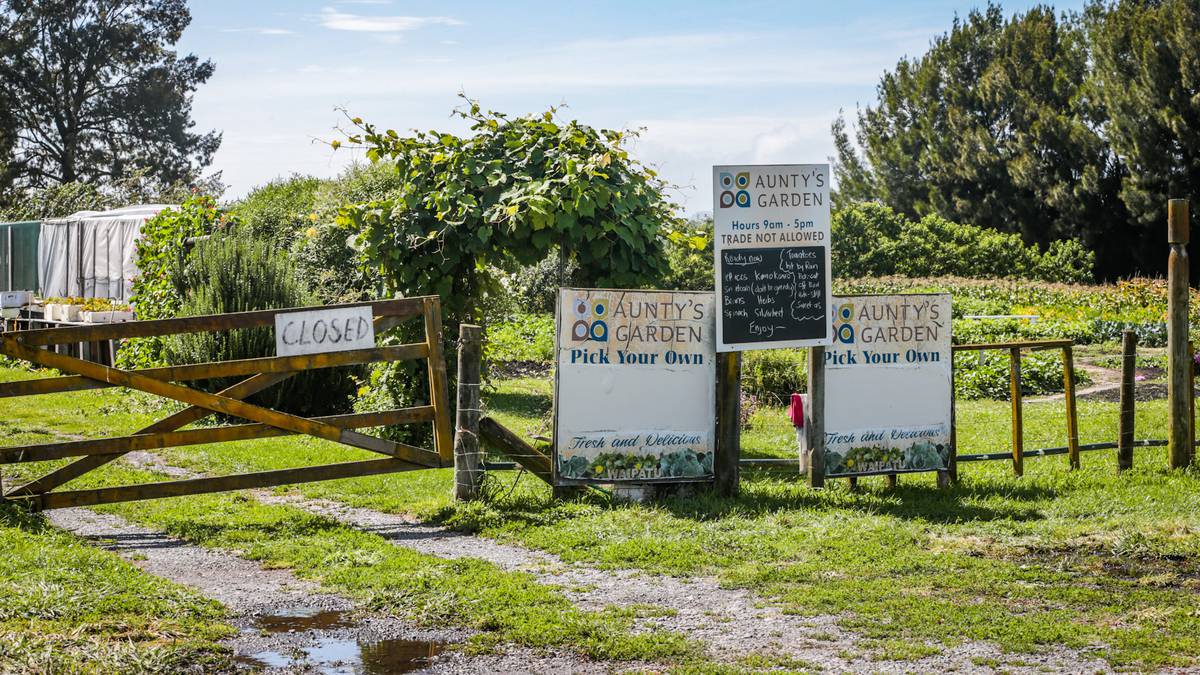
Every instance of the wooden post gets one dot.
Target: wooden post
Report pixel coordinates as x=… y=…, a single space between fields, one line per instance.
x=952 y=463
x=816 y=424
x=1191 y=401
x=891 y=481
x=1018 y=430
x=852 y=482
x=1179 y=388
x=1128 y=371
x=439 y=394
x=1072 y=416
x=468 y=454
x=729 y=439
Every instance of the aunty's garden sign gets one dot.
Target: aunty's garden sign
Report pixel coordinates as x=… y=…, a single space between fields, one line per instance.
x=888 y=385
x=635 y=386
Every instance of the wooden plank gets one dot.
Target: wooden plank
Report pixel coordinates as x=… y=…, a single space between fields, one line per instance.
x=439 y=387
x=195 y=486
x=515 y=448
x=468 y=454
x=217 y=403
x=238 y=367
x=816 y=422
x=184 y=417
x=170 y=439
x=1018 y=431
x=401 y=308
x=729 y=443
x=180 y=419
x=1026 y=344
x=952 y=463
x=1072 y=414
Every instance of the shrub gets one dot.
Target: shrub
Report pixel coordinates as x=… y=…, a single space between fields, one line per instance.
x=159 y=253
x=773 y=375
x=233 y=273
x=524 y=337
x=325 y=261
x=278 y=211
x=870 y=239
x=535 y=288
x=690 y=258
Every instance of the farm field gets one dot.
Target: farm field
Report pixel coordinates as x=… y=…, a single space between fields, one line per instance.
x=997 y=572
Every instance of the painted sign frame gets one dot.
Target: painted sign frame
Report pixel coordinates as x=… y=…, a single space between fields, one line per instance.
x=911 y=433
x=636 y=399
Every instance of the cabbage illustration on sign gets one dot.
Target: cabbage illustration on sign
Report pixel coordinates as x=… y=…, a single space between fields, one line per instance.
x=635 y=386
x=888 y=385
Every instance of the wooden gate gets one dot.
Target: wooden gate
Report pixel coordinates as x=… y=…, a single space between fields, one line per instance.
x=31 y=346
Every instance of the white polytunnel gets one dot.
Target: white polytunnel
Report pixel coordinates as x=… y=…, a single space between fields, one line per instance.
x=91 y=253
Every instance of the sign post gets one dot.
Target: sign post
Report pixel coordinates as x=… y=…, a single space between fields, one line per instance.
x=771 y=243
x=635 y=387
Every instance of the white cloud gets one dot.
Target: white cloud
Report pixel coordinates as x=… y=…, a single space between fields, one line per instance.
x=684 y=151
x=259 y=31
x=336 y=20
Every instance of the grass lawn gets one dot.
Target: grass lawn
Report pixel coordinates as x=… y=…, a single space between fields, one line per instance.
x=70 y=607
x=1085 y=559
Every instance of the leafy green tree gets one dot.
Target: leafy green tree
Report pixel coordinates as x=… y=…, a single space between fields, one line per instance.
x=1147 y=78
x=501 y=198
x=992 y=127
x=470 y=207
x=94 y=91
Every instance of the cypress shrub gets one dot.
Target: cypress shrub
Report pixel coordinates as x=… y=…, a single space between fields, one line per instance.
x=228 y=273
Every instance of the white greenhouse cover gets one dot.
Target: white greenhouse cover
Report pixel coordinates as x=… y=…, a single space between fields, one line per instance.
x=91 y=253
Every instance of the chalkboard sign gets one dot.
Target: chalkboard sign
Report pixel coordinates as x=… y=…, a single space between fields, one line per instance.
x=771 y=242
x=773 y=294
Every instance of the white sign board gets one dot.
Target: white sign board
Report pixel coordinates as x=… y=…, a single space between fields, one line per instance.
x=337 y=329
x=888 y=385
x=771 y=248
x=635 y=386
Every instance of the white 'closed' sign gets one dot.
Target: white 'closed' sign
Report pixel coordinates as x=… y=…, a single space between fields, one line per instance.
x=316 y=331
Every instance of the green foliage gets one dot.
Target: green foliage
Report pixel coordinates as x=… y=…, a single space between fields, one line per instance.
x=690 y=258
x=160 y=250
x=278 y=211
x=504 y=196
x=501 y=198
x=986 y=374
x=234 y=273
x=1086 y=314
x=994 y=126
x=872 y=240
x=773 y=375
x=1146 y=66
x=62 y=199
x=325 y=260
x=522 y=338
x=535 y=287
x=95 y=90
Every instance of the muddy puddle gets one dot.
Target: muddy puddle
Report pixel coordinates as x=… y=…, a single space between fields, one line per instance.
x=336 y=655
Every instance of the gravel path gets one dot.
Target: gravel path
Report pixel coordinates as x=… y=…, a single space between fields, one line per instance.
x=732 y=623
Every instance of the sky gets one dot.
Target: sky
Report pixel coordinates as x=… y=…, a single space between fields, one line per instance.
x=733 y=82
